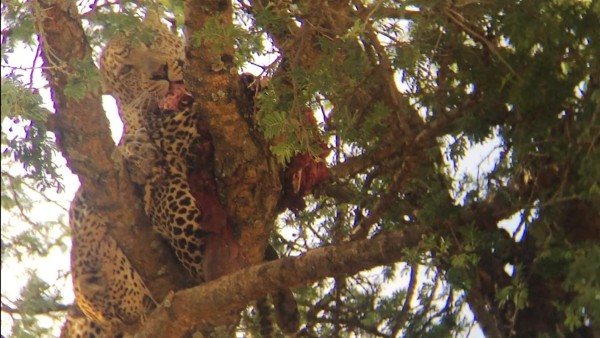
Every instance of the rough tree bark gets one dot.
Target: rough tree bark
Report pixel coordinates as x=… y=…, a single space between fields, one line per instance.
x=249 y=182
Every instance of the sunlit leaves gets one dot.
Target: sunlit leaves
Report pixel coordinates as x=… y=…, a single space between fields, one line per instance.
x=106 y=24
x=274 y=123
x=276 y=17
x=19 y=101
x=175 y=7
x=37 y=294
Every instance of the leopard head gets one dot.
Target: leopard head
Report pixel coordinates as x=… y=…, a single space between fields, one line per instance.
x=138 y=65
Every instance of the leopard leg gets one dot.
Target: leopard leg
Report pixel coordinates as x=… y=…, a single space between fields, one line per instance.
x=144 y=161
x=176 y=217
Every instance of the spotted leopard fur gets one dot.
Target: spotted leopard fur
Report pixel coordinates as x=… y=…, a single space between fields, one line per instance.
x=168 y=198
x=107 y=288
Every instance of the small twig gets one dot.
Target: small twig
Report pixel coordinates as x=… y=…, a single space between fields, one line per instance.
x=5 y=34
x=461 y=22
x=19 y=205
x=355 y=324
x=26 y=68
x=33 y=189
x=364 y=227
x=40 y=311
x=37 y=55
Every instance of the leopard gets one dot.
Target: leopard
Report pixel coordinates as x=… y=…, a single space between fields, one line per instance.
x=145 y=77
x=173 y=133
x=108 y=289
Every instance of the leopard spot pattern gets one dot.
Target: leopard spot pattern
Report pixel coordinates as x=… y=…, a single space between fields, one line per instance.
x=107 y=288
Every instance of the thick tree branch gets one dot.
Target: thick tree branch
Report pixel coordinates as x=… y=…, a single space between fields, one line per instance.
x=214 y=299
x=249 y=183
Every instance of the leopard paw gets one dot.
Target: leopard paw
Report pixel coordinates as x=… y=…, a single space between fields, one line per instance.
x=143 y=158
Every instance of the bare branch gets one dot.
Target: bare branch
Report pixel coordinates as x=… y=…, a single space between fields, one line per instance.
x=406 y=306
x=38 y=311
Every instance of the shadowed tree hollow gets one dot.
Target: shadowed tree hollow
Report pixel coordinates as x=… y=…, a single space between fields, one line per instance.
x=405 y=168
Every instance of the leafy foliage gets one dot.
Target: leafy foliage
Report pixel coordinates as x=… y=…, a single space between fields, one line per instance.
x=26 y=140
